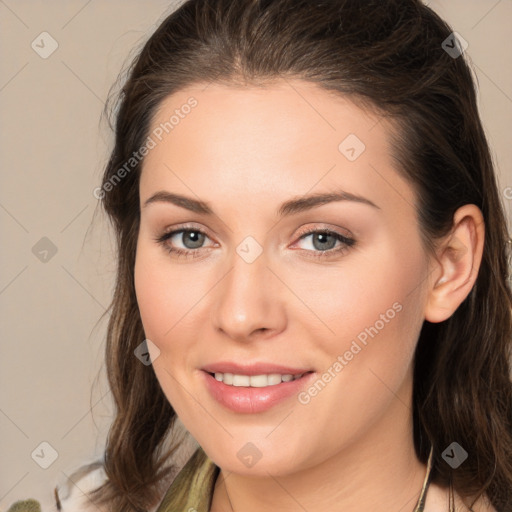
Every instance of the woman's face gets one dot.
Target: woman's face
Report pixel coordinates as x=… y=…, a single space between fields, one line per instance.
x=255 y=293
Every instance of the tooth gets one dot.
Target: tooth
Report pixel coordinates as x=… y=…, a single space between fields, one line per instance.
x=273 y=379
x=256 y=381
x=259 y=381
x=241 y=380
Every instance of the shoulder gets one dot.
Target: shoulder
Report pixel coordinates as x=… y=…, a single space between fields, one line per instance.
x=438 y=500
x=74 y=495
x=481 y=505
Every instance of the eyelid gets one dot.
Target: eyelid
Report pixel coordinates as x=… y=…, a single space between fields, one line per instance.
x=326 y=227
x=185 y=227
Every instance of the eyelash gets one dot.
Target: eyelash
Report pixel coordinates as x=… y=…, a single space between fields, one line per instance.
x=347 y=243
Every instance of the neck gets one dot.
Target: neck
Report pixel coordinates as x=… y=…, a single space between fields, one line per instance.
x=379 y=472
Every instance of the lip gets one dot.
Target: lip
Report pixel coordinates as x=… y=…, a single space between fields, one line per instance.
x=259 y=368
x=249 y=400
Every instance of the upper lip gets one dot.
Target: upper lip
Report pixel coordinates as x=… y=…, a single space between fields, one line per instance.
x=259 y=368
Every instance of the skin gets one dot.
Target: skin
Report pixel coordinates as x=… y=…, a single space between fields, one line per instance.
x=246 y=151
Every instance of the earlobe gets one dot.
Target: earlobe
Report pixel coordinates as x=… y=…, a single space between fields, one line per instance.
x=458 y=260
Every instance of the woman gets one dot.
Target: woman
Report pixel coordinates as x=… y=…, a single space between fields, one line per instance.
x=313 y=256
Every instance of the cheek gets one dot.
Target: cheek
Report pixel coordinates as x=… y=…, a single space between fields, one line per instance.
x=368 y=294
x=163 y=303
x=150 y=293
x=165 y=296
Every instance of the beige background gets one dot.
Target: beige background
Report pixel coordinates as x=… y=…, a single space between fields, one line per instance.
x=52 y=151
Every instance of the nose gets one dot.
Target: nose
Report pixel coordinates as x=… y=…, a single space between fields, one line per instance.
x=248 y=303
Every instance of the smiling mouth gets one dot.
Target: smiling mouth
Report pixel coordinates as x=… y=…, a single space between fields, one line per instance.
x=255 y=381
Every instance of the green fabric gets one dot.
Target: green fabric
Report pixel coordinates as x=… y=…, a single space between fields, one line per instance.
x=25 y=506
x=192 y=489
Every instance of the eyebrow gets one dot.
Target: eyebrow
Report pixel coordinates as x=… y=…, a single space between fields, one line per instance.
x=293 y=206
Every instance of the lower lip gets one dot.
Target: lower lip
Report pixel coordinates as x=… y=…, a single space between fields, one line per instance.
x=253 y=400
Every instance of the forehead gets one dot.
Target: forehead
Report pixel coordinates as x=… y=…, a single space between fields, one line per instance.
x=283 y=114
x=290 y=136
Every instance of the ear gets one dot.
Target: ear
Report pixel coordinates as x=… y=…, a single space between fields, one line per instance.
x=456 y=265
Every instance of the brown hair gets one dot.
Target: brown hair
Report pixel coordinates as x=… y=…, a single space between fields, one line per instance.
x=384 y=53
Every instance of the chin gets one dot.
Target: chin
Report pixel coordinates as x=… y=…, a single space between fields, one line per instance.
x=254 y=458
